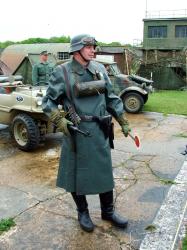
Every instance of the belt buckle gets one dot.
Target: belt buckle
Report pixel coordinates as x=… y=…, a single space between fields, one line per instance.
x=88 y=117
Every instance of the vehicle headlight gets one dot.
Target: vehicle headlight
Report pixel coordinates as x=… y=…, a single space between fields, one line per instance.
x=39 y=101
x=149 y=88
x=144 y=85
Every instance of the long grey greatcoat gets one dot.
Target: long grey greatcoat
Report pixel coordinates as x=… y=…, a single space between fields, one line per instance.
x=89 y=170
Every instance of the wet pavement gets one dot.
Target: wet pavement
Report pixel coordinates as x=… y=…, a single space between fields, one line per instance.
x=46 y=217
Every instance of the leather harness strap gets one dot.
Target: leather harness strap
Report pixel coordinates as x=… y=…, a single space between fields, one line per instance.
x=69 y=94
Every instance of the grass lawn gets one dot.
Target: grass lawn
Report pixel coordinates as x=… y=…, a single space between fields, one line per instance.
x=167 y=102
x=184 y=243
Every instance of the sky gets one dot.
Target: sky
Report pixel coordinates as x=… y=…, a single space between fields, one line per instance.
x=108 y=21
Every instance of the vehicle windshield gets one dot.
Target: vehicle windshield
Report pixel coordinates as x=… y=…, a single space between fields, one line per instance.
x=115 y=70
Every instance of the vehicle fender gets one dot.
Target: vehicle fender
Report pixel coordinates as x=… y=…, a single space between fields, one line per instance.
x=141 y=91
x=16 y=110
x=26 y=109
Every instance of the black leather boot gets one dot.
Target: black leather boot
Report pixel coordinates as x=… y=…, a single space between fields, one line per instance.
x=107 y=210
x=83 y=213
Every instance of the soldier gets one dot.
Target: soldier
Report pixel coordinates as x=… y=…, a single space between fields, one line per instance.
x=42 y=70
x=85 y=90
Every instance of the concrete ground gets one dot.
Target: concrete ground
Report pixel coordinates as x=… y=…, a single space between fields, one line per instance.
x=146 y=179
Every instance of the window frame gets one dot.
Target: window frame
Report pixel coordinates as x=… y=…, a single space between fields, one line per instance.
x=182 y=33
x=63 y=55
x=157 y=31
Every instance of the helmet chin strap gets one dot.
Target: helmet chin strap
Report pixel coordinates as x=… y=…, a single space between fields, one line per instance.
x=83 y=57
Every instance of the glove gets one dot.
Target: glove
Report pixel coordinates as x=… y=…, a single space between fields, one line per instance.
x=124 y=125
x=62 y=125
x=60 y=121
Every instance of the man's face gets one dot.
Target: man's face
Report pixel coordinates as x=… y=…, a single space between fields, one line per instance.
x=88 y=52
x=44 y=58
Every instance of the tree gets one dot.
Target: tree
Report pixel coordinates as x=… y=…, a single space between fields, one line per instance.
x=54 y=39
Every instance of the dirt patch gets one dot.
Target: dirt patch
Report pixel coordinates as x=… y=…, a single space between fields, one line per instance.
x=37 y=167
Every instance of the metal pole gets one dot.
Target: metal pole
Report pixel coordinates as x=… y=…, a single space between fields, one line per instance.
x=146 y=8
x=126 y=61
x=186 y=67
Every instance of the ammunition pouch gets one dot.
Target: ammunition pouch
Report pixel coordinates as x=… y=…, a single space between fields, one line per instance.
x=104 y=124
x=89 y=88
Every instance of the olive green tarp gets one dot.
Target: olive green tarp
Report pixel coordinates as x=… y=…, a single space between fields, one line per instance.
x=164 y=77
x=25 y=67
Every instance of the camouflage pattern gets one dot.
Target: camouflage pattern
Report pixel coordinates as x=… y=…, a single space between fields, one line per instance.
x=89 y=169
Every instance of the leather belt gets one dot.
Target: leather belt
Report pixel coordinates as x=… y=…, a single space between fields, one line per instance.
x=92 y=118
x=89 y=118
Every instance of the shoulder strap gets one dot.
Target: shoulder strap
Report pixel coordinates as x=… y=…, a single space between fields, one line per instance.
x=68 y=87
x=74 y=117
x=69 y=94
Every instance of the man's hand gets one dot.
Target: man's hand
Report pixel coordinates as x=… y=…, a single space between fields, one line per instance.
x=62 y=125
x=125 y=129
x=124 y=125
x=60 y=121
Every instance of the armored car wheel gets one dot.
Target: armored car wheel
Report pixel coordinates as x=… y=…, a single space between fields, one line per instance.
x=25 y=132
x=133 y=102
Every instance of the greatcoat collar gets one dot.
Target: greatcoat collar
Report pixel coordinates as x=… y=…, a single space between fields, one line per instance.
x=80 y=69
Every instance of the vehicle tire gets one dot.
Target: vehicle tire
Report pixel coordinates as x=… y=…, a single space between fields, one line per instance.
x=25 y=132
x=145 y=98
x=133 y=102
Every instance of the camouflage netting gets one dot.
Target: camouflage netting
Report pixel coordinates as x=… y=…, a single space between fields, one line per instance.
x=168 y=69
x=163 y=77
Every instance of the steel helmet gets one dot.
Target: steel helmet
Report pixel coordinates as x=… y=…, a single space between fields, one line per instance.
x=79 y=41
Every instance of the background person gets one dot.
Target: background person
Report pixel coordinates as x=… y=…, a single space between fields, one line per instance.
x=42 y=71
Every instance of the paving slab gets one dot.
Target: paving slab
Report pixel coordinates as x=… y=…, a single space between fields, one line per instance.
x=46 y=216
x=170 y=216
x=14 y=202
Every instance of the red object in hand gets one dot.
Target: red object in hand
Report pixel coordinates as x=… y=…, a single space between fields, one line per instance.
x=136 y=140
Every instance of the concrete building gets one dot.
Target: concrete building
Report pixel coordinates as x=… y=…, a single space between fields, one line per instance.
x=165 y=50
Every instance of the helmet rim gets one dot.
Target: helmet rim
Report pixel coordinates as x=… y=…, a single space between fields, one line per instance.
x=80 y=41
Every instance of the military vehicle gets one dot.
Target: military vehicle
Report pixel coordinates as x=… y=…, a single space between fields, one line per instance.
x=21 y=104
x=132 y=89
x=20 y=108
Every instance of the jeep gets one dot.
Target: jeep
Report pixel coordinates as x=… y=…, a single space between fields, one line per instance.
x=21 y=109
x=132 y=89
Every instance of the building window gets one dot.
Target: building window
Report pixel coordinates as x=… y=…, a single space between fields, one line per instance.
x=63 y=55
x=157 y=31
x=181 y=31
